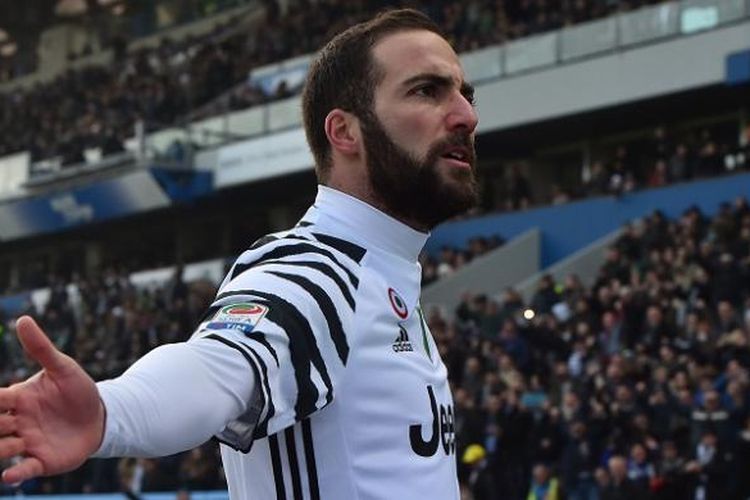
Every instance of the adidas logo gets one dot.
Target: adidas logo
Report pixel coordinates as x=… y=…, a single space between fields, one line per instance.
x=402 y=343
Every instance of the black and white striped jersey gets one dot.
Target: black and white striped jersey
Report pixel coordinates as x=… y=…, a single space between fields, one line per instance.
x=352 y=399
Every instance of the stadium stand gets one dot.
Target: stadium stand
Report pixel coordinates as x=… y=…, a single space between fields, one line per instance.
x=452 y=259
x=108 y=323
x=99 y=106
x=635 y=385
x=650 y=365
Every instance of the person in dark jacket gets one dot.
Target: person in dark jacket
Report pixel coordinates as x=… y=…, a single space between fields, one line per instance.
x=620 y=487
x=710 y=468
x=479 y=477
x=578 y=464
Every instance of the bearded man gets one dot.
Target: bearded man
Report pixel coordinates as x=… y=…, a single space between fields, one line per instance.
x=314 y=367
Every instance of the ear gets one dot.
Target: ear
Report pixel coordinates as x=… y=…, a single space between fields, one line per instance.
x=342 y=130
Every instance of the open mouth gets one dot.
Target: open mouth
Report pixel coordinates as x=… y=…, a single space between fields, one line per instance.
x=458 y=156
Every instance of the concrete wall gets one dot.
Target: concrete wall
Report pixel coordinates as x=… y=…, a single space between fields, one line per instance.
x=585 y=263
x=489 y=274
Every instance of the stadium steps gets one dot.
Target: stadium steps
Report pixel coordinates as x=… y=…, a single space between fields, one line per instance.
x=490 y=273
x=585 y=263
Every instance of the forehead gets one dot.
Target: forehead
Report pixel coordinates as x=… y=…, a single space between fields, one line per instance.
x=405 y=54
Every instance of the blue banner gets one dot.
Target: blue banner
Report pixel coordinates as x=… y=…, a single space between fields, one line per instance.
x=125 y=195
x=738 y=68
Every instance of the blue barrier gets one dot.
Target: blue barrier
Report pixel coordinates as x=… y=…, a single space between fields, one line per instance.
x=567 y=228
x=738 y=68
x=64 y=209
x=14 y=305
x=183 y=185
x=194 y=495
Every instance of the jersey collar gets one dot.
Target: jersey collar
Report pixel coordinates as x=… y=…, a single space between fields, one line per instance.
x=339 y=214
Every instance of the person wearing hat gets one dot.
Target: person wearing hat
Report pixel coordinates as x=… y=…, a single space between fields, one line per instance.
x=479 y=476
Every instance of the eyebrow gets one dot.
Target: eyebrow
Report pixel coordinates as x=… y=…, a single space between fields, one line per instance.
x=467 y=89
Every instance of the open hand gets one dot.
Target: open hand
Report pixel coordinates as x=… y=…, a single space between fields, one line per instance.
x=55 y=419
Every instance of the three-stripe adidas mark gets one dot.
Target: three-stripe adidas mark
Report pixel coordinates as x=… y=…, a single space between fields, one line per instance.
x=402 y=343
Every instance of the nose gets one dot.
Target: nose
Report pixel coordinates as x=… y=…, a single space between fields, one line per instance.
x=462 y=114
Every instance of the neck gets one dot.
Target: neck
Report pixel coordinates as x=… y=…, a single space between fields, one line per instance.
x=343 y=215
x=363 y=191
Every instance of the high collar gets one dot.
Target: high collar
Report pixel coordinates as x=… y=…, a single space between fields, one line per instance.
x=350 y=218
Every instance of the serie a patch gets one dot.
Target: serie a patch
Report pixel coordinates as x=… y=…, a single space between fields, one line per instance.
x=243 y=317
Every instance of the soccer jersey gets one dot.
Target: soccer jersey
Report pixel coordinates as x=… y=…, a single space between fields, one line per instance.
x=352 y=399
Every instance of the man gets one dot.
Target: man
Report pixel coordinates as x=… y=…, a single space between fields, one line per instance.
x=479 y=477
x=620 y=486
x=709 y=468
x=543 y=486
x=314 y=366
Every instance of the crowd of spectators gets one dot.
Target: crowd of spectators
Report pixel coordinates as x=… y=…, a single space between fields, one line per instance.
x=635 y=387
x=657 y=161
x=107 y=323
x=98 y=106
x=662 y=158
x=452 y=259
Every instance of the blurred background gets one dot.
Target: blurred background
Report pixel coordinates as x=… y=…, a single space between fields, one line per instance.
x=593 y=311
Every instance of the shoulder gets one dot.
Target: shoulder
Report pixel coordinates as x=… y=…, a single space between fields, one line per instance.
x=300 y=250
x=300 y=272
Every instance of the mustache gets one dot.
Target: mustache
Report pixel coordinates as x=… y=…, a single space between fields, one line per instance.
x=461 y=139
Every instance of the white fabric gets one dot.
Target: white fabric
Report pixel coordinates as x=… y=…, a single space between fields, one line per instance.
x=355 y=399
x=174 y=398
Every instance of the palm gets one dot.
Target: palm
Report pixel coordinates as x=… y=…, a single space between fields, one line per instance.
x=55 y=419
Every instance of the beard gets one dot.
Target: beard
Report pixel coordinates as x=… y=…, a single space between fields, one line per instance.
x=413 y=189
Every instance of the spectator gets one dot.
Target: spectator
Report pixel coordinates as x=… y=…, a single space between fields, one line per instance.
x=579 y=459
x=544 y=486
x=742 y=464
x=640 y=469
x=545 y=296
x=480 y=480
x=679 y=167
x=709 y=468
x=518 y=189
x=710 y=416
x=620 y=487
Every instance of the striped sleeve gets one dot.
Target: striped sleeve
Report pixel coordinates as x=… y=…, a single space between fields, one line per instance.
x=287 y=309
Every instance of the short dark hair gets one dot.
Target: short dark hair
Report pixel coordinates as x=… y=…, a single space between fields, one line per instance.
x=344 y=76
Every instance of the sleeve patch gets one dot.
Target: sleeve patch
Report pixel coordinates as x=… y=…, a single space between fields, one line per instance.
x=243 y=316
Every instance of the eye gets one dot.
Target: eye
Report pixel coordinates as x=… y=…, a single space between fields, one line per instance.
x=470 y=99
x=427 y=90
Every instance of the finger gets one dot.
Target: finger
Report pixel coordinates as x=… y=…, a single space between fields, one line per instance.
x=7 y=424
x=11 y=446
x=7 y=399
x=26 y=469
x=38 y=345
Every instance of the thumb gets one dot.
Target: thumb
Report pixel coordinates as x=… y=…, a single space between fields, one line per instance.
x=38 y=345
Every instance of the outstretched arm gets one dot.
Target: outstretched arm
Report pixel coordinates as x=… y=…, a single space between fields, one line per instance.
x=174 y=398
